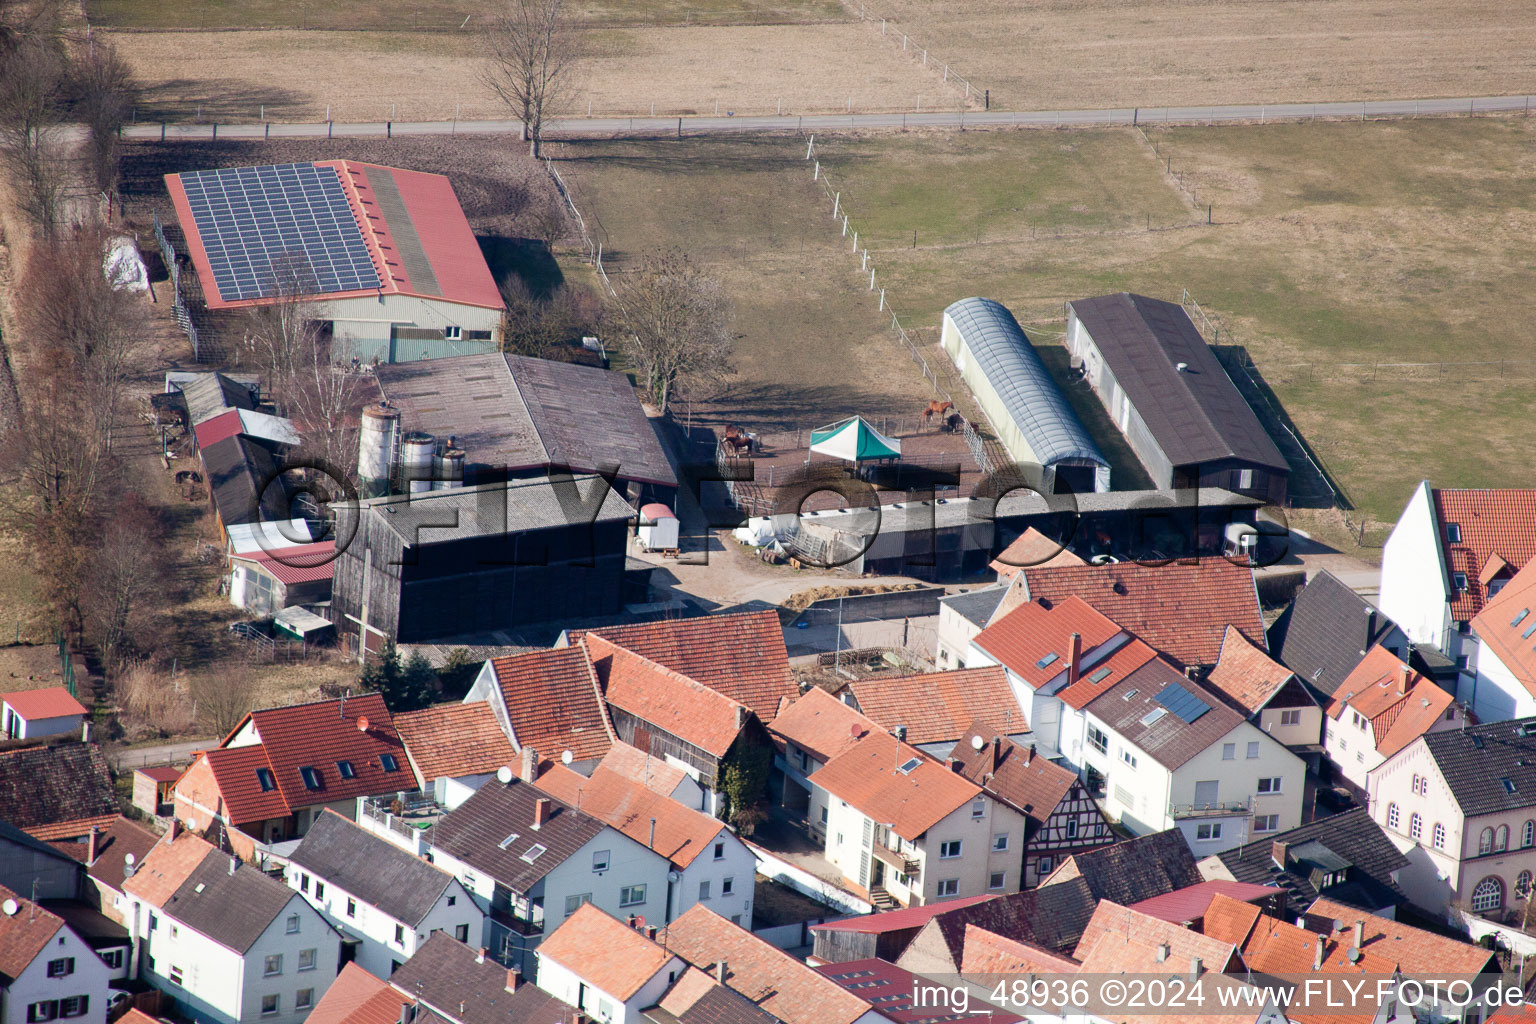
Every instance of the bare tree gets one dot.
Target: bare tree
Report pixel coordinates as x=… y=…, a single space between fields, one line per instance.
x=32 y=78
x=104 y=91
x=538 y=325
x=224 y=697
x=677 y=322
x=531 y=48
x=122 y=572
x=281 y=333
x=324 y=399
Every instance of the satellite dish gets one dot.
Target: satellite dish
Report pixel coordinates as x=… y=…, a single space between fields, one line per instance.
x=362 y=723
x=503 y=775
x=977 y=742
x=566 y=757
x=639 y=921
x=10 y=907
x=1353 y=954
x=129 y=859
x=673 y=876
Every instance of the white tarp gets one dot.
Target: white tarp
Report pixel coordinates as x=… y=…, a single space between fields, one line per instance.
x=254 y=538
x=124 y=268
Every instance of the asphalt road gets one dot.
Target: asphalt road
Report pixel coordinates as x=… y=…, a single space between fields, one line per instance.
x=652 y=126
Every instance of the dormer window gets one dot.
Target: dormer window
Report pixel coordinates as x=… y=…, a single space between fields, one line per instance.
x=1453 y=533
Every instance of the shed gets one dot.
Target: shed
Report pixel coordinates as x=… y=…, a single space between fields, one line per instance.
x=1020 y=398
x=266 y=580
x=51 y=711
x=658 y=529
x=301 y=624
x=1169 y=395
x=152 y=787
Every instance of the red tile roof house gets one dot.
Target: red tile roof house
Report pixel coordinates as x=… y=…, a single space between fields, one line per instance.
x=713 y=866
x=1272 y=697
x=1504 y=683
x=808 y=733
x=1380 y=708
x=1061 y=818
x=1449 y=555
x=426 y=289
x=604 y=967
x=773 y=980
x=275 y=773
x=32 y=714
x=933 y=711
x=911 y=830
x=47 y=970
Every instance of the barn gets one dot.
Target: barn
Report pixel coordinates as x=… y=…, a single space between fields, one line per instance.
x=386 y=254
x=435 y=564
x=1168 y=394
x=1031 y=416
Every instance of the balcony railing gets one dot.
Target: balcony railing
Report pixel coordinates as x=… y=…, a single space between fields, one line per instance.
x=1216 y=810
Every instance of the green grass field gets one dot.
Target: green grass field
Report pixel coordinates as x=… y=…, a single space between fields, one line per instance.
x=441 y=15
x=1402 y=242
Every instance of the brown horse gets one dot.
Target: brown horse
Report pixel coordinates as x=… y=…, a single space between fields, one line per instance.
x=736 y=444
x=936 y=408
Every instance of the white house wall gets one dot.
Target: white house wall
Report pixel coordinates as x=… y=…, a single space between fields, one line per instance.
x=362 y=327
x=1413 y=583
x=569 y=987
x=89 y=979
x=1497 y=695
x=1238 y=781
x=378 y=953
x=737 y=864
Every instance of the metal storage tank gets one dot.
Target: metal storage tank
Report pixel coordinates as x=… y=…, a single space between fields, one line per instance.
x=376 y=448
x=418 y=452
x=450 y=469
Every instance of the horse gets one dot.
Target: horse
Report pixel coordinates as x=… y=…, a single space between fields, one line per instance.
x=936 y=408
x=954 y=422
x=736 y=444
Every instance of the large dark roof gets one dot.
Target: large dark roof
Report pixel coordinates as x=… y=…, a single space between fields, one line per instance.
x=55 y=783
x=518 y=413
x=243 y=479
x=231 y=908
x=113 y=845
x=475 y=831
x=534 y=503
x=1195 y=414
x=976 y=606
x=1131 y=708
x=1139 y=868
x=375 y=871
x=1029 y=394
x=464 y=985
x=1476 y=760
x=211 y=394
x=1325 y=632
x=1052 y=916
x=1352 y=836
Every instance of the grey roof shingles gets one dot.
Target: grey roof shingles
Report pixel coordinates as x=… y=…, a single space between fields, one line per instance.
x=1169 y=739
x=1474 y=762
x=976 y=606
x=1138 y=869
x=1018 y=375
x=1196 y=415
x=474 y=833
x=1351 y=835
x=500 y=508
x=231 y=908
x=377 y=872
x=1326 y=632
x=465 y=986
x=243 y=479
x=1053 y=916
x=519 y=413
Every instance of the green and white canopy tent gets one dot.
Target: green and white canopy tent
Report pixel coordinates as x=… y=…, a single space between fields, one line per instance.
x=854 y=440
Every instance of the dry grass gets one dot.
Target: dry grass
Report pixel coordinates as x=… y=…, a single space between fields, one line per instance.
x=294 y=75
x=1054 y=54
x=811 y=344
x=1391 y=241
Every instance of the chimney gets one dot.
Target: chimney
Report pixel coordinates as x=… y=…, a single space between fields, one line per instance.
x=741 y=717
x=650 y=932
x=90 y=845
x=1317 y=957
x=174 y=831
x=650 y=844
x=540 y=812
x=528 y=768
x=514 y=978
x=1162 y=951
x=480 y=955
x=956 y=766
x=1030 y=757
x=1278 y=851
x=1074 y=657
x=1402 y=681
x=85 y=732
x=997 y=752
x=1196 y=966
x=631 y=921
x=720 y=969
x=1360 y=933
x=231 y=864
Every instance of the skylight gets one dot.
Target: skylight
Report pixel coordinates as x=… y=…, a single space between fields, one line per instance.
x=1129 y=694
x=1153 y=715
x=534 y=853
x=1529 y=630
x=1048 y=659
x=1100 y=675
x=910 y=765
x=311 y=777
x=1521 y=617
x=387 y=761
x=1453 y=533
x=508 y=841
x=267 y=782
x=1477 y=741
x=1509 y=785
x=345 y=770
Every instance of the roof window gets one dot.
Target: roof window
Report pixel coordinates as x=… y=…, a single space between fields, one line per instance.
x=508 y=841
x=1459 y=581
x=1509 y=785
x=345 y=770
x=1100 y=675
x=1129 y=694
x=1153 y=715
x=1047 y=660
x=388 y=762
x=1453 y=533
x=910 y=765
x=534 y=853
x=312 y=779
x=1521 y=617
x=264 y=777
x=1477 y=741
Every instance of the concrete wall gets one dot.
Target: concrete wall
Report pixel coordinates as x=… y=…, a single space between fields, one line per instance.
x=363 y=327
x=1494 y=692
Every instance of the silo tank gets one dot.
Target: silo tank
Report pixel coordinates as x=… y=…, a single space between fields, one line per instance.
x=418 y=451
x=376 y=448
x=450 y=470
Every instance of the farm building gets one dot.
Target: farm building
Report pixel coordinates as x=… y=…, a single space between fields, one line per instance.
x=51 y=711
x=385 y=254
x=516 y=416
x=1025 y=407
x=1170 y=397
x=443 y=563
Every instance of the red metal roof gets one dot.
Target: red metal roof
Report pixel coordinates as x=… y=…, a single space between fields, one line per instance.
x=51 y=702
x=302 y=563
x=898 y=920
x=160 y=772
x=1189 y=903
x=437 y=228
x=218 y=428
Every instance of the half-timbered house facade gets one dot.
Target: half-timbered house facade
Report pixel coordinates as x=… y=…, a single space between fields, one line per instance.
x=1061 y=819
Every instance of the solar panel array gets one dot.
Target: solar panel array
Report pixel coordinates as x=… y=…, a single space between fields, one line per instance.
x=1181 y=702
x=283 y=228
